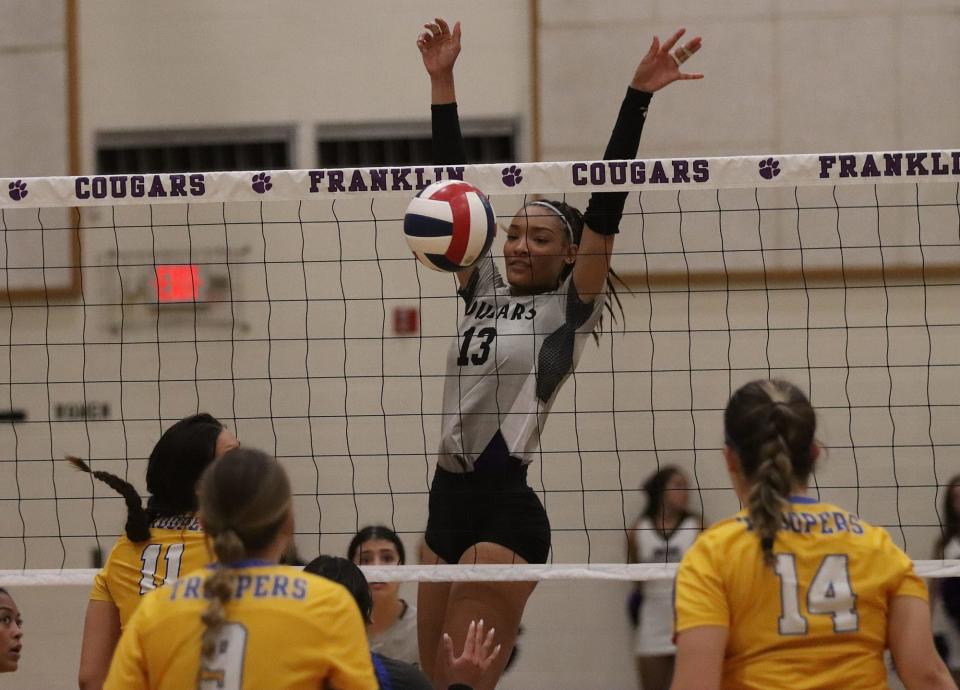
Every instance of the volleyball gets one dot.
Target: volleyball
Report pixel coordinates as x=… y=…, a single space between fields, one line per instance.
x=449 y=225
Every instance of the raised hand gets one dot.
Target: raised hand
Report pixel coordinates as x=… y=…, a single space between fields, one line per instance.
x=439 y=47
x=660 y=66
x=478 y=654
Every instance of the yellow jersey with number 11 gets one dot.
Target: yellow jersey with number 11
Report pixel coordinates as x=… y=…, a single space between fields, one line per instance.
x=176 y=545
x=284 y=629
x=817 y=619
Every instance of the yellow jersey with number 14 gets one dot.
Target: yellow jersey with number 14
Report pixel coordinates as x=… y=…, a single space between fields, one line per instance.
x=818 y=619
x=285 y=629
x=176 y=545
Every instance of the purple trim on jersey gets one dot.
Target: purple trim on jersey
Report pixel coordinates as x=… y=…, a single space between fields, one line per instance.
x=803 y=499
x=244 y=563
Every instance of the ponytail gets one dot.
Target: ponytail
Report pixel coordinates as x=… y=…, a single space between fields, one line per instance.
x=137 y=527
x=219 y=587
x=245 y=501
x=771 y=426
x=769 y=494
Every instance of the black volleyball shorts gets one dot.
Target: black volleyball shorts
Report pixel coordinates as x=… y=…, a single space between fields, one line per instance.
x=487 y=506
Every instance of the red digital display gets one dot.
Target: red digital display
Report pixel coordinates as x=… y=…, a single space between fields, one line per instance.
x=178 y=283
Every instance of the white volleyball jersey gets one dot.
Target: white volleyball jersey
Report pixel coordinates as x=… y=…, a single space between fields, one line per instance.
x=503 y=373
x=655 y=629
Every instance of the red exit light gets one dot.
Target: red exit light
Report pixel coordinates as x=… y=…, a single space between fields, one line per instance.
x=406 y=320
x=178 y=283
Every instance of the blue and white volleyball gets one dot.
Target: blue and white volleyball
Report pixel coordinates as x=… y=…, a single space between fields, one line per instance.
x=449 y=225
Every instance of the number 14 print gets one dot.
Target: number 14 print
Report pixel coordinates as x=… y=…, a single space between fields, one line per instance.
x=830 y=594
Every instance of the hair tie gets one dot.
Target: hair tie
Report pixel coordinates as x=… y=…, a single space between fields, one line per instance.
x=766 y=543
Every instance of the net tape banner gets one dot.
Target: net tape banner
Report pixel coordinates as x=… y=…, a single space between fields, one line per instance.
x=465 y=573
x=511 y=178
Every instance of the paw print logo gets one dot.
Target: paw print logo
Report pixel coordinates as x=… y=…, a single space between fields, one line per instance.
x=261 y=183
x=511 y=176
x=769 y=168
x=18 y=190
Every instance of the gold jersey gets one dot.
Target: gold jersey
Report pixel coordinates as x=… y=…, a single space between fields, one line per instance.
x=817 y=619
x=286 y=629
x=176 y=545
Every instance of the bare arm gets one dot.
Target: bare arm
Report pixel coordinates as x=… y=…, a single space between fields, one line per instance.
x=658 y=69
x=911 y=642
x=699 y=664
x=101 y=632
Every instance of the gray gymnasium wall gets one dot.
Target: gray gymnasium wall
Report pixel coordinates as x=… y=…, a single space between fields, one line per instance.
x=782 y=77
x=33 y=110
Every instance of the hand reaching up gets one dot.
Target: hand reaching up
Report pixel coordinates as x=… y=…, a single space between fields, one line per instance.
x=439 y=47
x=478 y=654
x=661 y=67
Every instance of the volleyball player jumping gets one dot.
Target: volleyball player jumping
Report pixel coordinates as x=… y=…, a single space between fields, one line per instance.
x=791 y=592
x=159 y=542
x=518 y=341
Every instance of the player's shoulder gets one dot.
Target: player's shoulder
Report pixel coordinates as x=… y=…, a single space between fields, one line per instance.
x=124 y=551
x=722 y=538
x=731 y=527
x=320 y=590
x=643 y=524
x=835 y=519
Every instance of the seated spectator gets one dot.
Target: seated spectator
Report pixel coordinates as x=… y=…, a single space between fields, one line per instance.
x=393 y=630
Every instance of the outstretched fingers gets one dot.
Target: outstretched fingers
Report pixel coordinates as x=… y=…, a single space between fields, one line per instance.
x=672 y=41
x=654 y=49
x=486 y=652
x=438 y=31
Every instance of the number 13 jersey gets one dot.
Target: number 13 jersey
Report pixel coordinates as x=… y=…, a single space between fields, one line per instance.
x=818 y=619
x=513 y=354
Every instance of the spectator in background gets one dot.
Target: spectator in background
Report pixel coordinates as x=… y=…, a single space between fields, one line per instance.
x=393 y=626
x=11 y=633
x=946 y=592
x=661 y=534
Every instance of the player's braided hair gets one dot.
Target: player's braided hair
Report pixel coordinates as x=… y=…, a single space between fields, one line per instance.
x=137 y=527
x=771 y=427
x=574 y=219
x=244 y=501
x=176 y=463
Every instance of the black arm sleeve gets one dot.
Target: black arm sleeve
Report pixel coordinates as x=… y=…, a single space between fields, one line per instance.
x=448 y=146
x=606 y=208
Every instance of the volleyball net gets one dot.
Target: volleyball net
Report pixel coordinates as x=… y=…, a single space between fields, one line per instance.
x=287 y=304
